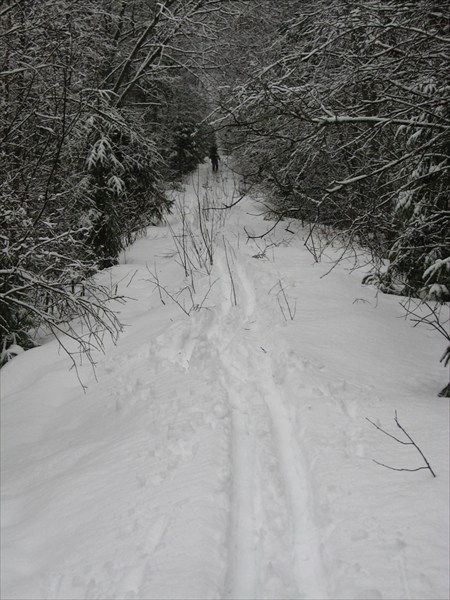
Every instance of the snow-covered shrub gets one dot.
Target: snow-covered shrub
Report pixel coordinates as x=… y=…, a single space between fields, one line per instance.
x=183 y=138
x=120 y=188
x=45 y=282
x=346 y=123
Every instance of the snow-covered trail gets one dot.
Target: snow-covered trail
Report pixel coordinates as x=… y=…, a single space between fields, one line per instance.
x=225 y=453
x=272 y=545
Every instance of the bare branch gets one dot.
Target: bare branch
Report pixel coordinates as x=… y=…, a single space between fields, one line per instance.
x=411 y=442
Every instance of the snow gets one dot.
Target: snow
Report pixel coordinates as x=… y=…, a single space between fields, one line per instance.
x=223 y=450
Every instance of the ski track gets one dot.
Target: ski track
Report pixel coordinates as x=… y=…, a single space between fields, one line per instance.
x=272 y=545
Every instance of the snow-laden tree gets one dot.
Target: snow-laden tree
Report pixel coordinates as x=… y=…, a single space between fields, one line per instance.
x=349 y=122
x=345 y=119
x=86 y=141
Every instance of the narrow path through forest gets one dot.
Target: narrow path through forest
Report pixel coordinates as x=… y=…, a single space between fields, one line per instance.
x=221 y=449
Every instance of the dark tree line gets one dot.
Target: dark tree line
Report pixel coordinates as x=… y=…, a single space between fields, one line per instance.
x=345 y=119
x=101 y=104
x=348 y=122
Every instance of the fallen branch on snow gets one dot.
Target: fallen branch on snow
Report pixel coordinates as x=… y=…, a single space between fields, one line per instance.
x=410 y=442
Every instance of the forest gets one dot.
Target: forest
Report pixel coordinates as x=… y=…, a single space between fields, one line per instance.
x=338 y=110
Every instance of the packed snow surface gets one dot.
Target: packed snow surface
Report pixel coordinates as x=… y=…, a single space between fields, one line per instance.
x=222 y=447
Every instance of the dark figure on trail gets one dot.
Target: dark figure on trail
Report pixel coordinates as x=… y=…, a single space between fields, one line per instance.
x=214 y=156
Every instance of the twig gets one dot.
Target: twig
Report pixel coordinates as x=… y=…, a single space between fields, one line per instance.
x=155 y=275
x=411 y=442
x=257 y=237
x=132 y=277
x=200 y=306
x=156 y=282
x=172 y=297
x=226 y=206
x=292 y=313
x=233 y=288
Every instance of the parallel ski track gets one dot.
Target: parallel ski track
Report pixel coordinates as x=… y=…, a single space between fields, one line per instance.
x=258 y=412
x=273 y=546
